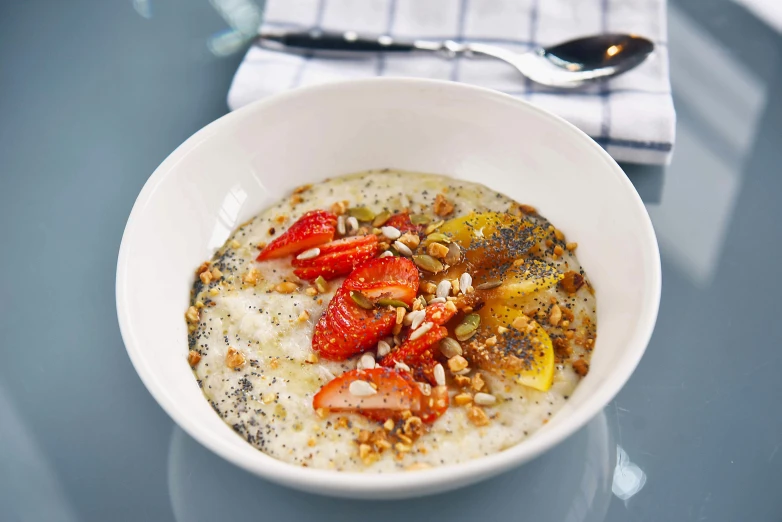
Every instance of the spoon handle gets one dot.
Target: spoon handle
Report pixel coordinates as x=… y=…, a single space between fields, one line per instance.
x=317 y=40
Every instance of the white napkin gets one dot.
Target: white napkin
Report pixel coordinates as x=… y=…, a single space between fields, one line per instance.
x=631 y=116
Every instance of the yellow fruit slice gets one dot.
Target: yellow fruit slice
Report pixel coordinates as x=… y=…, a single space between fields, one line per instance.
x=524 y=352
x=493 y=237
x=529 y=277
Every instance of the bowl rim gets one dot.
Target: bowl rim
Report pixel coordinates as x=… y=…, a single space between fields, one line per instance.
x=343 y=483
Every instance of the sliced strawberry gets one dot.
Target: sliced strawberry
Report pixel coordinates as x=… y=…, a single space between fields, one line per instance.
x=439 y=313
x=337 y=260
x=312 y=229
x=410 y=351
x=386 y=277
x=402 y=223
x=346 y=329
x=394 y=393
x=433 y=406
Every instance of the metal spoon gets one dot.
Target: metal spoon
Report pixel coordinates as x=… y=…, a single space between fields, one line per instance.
x=567 y=65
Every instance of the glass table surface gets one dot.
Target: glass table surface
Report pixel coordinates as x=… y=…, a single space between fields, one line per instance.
x=95 y=94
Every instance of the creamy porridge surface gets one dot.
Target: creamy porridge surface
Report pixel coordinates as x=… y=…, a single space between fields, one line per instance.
x=251 y=326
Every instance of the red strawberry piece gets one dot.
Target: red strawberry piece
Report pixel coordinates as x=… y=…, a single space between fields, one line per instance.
x=402 y=223
x=346 y=329
x=386 y=277
x=411 y=350
x=337 y=258
x=312 y=229
x=433 y=406
x=394 y=393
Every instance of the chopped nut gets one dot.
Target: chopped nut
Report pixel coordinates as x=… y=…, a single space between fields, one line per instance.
x=410 y=240
x=363 y=436
x=322 y=412
x=571 y=246
x=388 y=425
x=477 y=382
x=268 y=398
x=569 y=334
x=312 y=358
x=192 y=315
x=234 y=359
x=203 y=267
x=555 y=316
x=234 y=244
x=413 y=427
x=437 y=250
x=400 y=315
x=559 y=235
x=302 y=188
x=520 y=323
x=342 y=422
x=214 y=291
x=303 y=316
x=442 y=207
x=491 y=341
x=216 y=273
x=261 y=245
x=558 y=250
x=457 y=363
x=402 y=448
x=528 y=209
x=200 y=304
x=565 y=323
x=477 y=416
x=311 y=291
x=462 y=381
x=296 y=199
x=428 y=287
x=339 y=207
x=417 y=466
x=462 y=399
x=364 y=450
x=311 y=442
x=274 y=363
x=206 y=277
x=581 y=367
x=571 y=282
x=251 y=277
x=502 y=330
x=280 y=218
x=286 y=287
x=562 y=348
x=193 y=357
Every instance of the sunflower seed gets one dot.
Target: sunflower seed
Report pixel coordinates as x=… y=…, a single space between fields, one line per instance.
x=421 y=331
x=403 y=249
x=439 y=374
x=402 y=367
x=463 y=372
x=437 y=300
x=409 y=318
x=325 y=374
x=341 y=225
x=352 y=223
x=450 y=347
x=367 y=362
x=484 y=399
x=391 y=232
x=387 y=253
x=443 y=288
x=488 y=285
x=361 y=389
x=418 y=319
x=465 y=281
x=309 y=254
x=383 y=348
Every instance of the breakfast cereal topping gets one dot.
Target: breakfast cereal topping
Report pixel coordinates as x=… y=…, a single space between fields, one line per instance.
x=286 y=287
x=193 y=357
x=555 y=316
x=234 y=359
x=192 y=315
x=457 y=363
x=462 y=399
x=484 y=399
x=477 y=416
x=442 y=207
x=361 y=389
x=581 y=367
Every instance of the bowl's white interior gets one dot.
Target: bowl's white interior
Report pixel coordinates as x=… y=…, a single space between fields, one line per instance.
x=235 y=167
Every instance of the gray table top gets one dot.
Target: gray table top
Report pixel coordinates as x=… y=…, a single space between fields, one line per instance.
x=94 y=96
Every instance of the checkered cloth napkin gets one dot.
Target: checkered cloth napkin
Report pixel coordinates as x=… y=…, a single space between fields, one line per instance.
x=631 y=116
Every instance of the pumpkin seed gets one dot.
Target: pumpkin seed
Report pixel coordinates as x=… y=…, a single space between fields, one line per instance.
x=361 y=300
x=454 y=254
x=438 y=237
x=392 y=302
x=381 y=219
x=361 y=213
x=450 y=347
x=428 y=263
x=434 y=226
x=321 y=285
x=488 y=285
x=420 y=219
x=468 y=327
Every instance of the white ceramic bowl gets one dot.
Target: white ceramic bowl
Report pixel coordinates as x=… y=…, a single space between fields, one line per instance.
x=246 y=160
